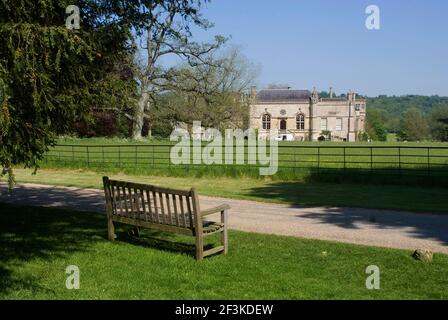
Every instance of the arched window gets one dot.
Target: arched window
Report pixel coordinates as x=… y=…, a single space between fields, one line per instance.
x=266 y=122
x=283 y=124
x=300 y=122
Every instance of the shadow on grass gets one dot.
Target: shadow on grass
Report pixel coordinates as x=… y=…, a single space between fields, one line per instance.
x=30 y=233
x=408 y=176
x=162 y=241
x=306 y=195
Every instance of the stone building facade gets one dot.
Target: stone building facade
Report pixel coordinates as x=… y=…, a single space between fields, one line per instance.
x=285 y=114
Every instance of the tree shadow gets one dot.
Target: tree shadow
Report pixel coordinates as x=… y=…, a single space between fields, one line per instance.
x=60 y=197
x=303 y=196
x=418 y=176
x=30 y=233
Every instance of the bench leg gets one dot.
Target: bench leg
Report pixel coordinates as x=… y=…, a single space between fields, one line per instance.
x=199 y=247
x=224 y=234
x=110 y=229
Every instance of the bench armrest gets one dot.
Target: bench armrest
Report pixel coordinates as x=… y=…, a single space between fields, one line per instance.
x=218 y=209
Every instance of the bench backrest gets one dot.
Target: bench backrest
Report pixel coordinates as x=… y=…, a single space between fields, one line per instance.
x=151 y=203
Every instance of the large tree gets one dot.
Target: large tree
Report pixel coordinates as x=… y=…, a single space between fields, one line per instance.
x=414 y=126
x=51 y=75
x=215 y=93
x=439 y=123
x=375 y=125
x=167 y=33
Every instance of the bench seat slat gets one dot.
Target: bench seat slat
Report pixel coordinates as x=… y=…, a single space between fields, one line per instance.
x=151 y=225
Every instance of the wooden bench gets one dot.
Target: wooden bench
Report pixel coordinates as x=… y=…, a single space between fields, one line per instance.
x=164 y=209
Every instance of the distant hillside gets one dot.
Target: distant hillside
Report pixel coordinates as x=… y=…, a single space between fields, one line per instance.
x=394 y=106
x=385 y=113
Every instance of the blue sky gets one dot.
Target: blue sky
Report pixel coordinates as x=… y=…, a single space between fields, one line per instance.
x=323 y=43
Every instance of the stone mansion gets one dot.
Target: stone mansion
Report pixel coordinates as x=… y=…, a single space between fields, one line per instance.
x=305 y=116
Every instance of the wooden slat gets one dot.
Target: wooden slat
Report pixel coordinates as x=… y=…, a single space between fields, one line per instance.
x=182 y=211
x=120 y=200
x=114 y=200
x=137 y=202
x=131 y=201
x=176 y=212
x=150 y=225
x=156 y=210
x=148 y=198
x=190 y=212
x=150 y=187
x=162 y=207
x=124 y=200
x=213 y=251
x=168 y=208
x=142 y=197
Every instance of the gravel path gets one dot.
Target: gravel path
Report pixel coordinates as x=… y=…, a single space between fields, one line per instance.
x=360 y=226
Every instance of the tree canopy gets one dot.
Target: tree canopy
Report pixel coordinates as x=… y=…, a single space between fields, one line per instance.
x=51 y=75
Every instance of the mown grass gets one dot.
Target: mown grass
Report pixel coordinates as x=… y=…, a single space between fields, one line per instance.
x=297 y=161
x=408 y=198
x=150 y=141
x=37 y=244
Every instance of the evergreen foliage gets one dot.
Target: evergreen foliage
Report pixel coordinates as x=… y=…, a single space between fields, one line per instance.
x=51 y=76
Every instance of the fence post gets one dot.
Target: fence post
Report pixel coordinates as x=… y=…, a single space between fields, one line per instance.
x=73 y=154
x=429 y=162
x=371 y=159
x=102 y=150
x=136 y=151
x=88 y=156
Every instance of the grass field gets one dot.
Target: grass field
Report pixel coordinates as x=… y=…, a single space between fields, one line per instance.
x=37 y=244
x=389 y=163
x=409 y=198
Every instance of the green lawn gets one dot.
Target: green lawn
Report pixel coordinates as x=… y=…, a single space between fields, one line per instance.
x=381 y=163
x=291 y=155
x=409 y=198
x=37 y=244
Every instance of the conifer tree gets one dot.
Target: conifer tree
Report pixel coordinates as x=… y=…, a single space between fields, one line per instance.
x=51 y=75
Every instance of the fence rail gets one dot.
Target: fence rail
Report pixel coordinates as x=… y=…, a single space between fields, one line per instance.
x=385 y=159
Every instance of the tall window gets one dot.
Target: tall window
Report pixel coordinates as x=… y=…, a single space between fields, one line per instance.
x=300 y=122
x=266 y=122
x=323 y=124
x=338 y=124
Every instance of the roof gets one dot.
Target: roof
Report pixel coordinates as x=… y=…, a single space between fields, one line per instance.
x=273 y=95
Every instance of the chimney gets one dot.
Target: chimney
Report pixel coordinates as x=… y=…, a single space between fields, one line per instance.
x=350 y=96
x=253 y=93
x=331 y=92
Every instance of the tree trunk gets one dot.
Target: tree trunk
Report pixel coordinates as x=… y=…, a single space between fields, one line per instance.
x=139 y=116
